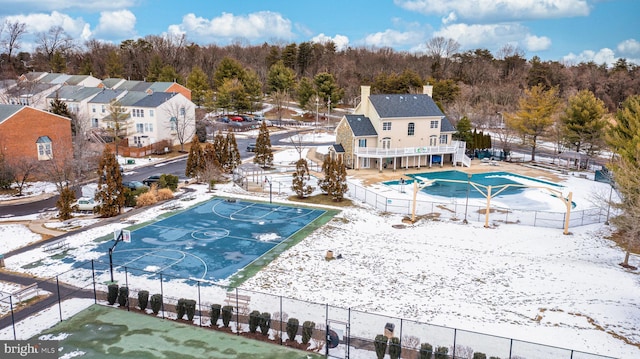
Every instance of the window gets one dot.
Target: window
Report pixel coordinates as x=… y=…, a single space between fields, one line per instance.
x=103 y=110
x=148 y=127
x=434 y=124
x=386 y=126
x=151 y=113
x=386 y=143
x=136 y=112
x=362 y=142
x=173 y=123
x=444 y=139
x=44 y=148
x=94 y=122
x=411 y=129
x=139 y=128
x=93 y=108
x=182 y=112
x=433 y=140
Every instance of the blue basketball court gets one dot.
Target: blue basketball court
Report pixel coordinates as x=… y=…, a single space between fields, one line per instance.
x=210 y=241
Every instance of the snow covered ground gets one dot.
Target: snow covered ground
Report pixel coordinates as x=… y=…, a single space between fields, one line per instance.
x=527 y=283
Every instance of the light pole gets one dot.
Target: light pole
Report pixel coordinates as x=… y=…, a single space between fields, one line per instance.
x=317 y=104
x=328 y=110
x=266 y=179
x=466 y=204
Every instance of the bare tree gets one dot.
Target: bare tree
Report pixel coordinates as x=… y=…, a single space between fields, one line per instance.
x=15 y=30
x=118 y=122
x=442 y=51
x=54 y=40
x=182 y=122
x=25 y=168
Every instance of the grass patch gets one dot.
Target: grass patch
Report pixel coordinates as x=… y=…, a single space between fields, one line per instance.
x=321 y=199
x=32 y=265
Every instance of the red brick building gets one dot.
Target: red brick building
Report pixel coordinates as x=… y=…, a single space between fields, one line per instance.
x=28 y=134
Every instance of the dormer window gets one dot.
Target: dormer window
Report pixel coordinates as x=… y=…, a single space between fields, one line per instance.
x=45 y=151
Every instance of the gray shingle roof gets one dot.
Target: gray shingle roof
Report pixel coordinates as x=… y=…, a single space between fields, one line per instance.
x=132 y=98
x=361 y=125
x=405 y=105
x=106 y=95
x=446 y=126
x=7 y=111
x=154 y=99
x=110 y=82
x=74 y=93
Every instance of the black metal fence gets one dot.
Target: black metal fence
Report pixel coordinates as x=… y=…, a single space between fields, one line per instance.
x=338 y=332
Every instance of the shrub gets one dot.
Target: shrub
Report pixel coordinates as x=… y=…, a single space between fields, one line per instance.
x=146 y=199
x=215 y=314
x=143 y=299
x=156 y=303
x=441 y=353
x=112 y=293
x=168 y=181
x=394 y=348
x=254 y=321
x=380 y=343
x=425 y=351
x=307 y=331
x=479 y=356
x=292 y=328
x=190 y=308
x=181 y=309
x=164 y=194
x=123 y=296
x=265 y=323
x=227 y=312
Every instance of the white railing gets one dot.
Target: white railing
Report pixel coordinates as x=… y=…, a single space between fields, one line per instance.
x=404 y=151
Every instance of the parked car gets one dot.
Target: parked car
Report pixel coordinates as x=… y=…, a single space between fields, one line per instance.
x=84 y=204
x=246 y=118
x=251 y=147
x=151 y=180
x=134 y=185
x=260 y=121
x=236 y=118
x=223 y=119
x=258 y=117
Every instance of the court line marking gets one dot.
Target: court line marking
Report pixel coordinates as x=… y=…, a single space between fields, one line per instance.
x=151 y=252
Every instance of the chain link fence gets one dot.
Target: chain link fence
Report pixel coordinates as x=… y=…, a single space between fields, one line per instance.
x=337 y=332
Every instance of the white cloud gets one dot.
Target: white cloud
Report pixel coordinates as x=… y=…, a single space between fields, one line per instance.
x=255 y=26
x=22 y=6
x=602 y=56
x=536 y=43
x=116 y=25
x=394 y=38
x=341 y=41
x=504 y=9
x=629 y=47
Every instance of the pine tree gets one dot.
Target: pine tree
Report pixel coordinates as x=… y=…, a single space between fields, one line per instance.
x=198 y=83
x=110 y=190
x=221 y=151
x=300 y=177
x=584 y=123
x=264 y=153
x=233 y=154
x=66 y=198
x=325 y=182
x=624 y=138
x=339 y=186
x=195 y=161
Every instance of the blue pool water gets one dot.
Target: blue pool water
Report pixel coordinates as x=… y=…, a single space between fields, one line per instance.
x=210 y=241
x=459 y=190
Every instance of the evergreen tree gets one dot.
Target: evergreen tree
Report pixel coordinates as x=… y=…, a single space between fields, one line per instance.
x=327 y=170
x=195 y=161
x=339 y=186
x=110 y=190
x=60 y=108
x=66 y=198
x=327 y=89
x=233 y=154
x=624 y=138
x=305 y=93
x=198 y=83
x=584 y=123
x=301 y=176
x=264 y=153
x=154 y=69
x=535 y=114
x=169 y=74
x=221 y=149
x=463 y=132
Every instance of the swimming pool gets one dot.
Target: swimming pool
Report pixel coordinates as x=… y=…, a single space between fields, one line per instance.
x=441 y=186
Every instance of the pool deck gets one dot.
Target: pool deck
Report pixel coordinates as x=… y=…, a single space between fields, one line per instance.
x=371 y=176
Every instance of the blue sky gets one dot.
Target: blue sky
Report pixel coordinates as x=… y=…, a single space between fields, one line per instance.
x=571 y=31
